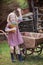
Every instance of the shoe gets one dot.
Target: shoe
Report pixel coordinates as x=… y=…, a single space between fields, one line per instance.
x=13 y=60
x=12 y=57
x=20 y=58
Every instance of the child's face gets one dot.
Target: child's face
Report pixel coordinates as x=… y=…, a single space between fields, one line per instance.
x=12 y=17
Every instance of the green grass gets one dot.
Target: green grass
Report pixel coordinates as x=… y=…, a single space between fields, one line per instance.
x=5 y=57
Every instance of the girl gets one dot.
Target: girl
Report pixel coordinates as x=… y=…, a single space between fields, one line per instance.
x=14 y=35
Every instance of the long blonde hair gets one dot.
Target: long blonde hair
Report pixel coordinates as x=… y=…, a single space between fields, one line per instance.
x=16 y=17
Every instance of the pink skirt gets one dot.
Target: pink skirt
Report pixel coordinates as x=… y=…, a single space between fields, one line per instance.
x=15 y=39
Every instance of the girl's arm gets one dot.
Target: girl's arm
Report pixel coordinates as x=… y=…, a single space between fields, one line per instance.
x=7 y=29
x=20 y=15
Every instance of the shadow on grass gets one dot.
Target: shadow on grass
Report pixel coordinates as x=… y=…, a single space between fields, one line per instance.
x=34 y=58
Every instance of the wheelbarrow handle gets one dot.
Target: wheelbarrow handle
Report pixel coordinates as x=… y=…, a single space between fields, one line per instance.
x=4 y=33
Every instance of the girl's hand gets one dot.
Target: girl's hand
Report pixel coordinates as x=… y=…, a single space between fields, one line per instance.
x=20 y=12
x=19 y=9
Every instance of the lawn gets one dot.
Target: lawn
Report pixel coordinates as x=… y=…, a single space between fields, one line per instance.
x=5 y=57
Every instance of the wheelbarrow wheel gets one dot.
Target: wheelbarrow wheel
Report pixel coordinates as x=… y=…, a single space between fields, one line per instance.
x=38 y=50
x=27 y=51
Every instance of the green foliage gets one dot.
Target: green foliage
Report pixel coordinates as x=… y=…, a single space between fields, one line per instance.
x=23 y=3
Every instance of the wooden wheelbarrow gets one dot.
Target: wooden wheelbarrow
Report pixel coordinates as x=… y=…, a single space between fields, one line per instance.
x=33 y=42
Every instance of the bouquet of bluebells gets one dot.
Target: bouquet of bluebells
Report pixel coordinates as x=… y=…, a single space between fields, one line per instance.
x=13 y=26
